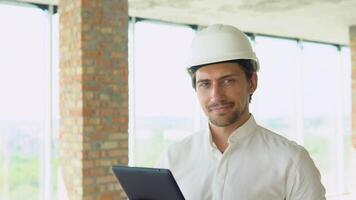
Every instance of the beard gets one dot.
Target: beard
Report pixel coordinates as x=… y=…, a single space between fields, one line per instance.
x=226 y=119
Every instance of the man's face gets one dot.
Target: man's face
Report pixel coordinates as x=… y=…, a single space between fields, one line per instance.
x=223 y=92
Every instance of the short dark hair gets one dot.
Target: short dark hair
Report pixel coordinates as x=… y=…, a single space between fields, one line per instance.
x=247 y=66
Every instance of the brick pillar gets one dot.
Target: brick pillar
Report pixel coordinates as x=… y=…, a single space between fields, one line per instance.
x=93 y=96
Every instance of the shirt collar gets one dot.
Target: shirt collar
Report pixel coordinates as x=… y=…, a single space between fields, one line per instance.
x=244 y=131
x=238 y=135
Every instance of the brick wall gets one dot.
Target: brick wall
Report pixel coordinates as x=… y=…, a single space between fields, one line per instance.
x=93 y=96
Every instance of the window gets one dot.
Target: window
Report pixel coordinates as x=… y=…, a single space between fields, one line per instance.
x=275 y=102
x=163 y=102
x=28 y=103
x=304 y=94
x=321 y=109
x=345 y=146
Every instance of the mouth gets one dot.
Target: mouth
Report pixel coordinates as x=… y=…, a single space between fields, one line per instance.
x=220 y=108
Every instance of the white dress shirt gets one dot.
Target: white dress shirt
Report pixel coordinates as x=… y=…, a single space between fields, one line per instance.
x=257 y=165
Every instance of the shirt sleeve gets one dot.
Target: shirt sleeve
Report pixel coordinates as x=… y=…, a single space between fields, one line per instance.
x=304 y=181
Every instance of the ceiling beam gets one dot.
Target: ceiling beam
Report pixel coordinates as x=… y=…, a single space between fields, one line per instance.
x=47 y=2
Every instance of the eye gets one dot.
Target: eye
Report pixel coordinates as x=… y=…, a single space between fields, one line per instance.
x=228 y=81
x=204 y=84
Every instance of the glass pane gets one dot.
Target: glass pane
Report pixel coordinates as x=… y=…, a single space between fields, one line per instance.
x=321 y=81
x=346 y=179
x=55 y=108
x=299 y=96
x=23 y=63
x=274 y=103
x=164 y=101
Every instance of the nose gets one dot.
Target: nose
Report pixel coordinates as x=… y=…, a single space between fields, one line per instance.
x=216 y=92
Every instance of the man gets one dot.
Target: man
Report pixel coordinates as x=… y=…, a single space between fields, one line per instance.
x=234 y=158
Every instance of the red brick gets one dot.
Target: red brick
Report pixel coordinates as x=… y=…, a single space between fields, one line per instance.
x=109 y=196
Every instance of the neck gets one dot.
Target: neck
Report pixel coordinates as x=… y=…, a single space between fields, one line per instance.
x=220 y=135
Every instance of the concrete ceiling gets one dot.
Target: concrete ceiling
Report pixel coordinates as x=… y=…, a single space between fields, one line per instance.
x=317 y=20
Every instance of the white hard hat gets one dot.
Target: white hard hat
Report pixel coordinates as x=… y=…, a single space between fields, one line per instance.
x=218 y=43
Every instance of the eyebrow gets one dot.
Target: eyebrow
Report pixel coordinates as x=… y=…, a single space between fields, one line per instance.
x=220 y=78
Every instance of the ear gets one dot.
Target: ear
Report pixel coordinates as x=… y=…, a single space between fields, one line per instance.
x=253 y=82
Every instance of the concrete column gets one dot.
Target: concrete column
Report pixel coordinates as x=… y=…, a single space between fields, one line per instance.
x=93 y=96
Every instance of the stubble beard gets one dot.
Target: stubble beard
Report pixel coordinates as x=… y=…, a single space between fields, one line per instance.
x=227 y=119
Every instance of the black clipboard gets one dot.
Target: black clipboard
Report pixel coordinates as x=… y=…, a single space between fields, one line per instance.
x=140 y=183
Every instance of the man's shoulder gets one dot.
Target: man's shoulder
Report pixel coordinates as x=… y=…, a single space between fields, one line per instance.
x=293 y=160
x=277 y=142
